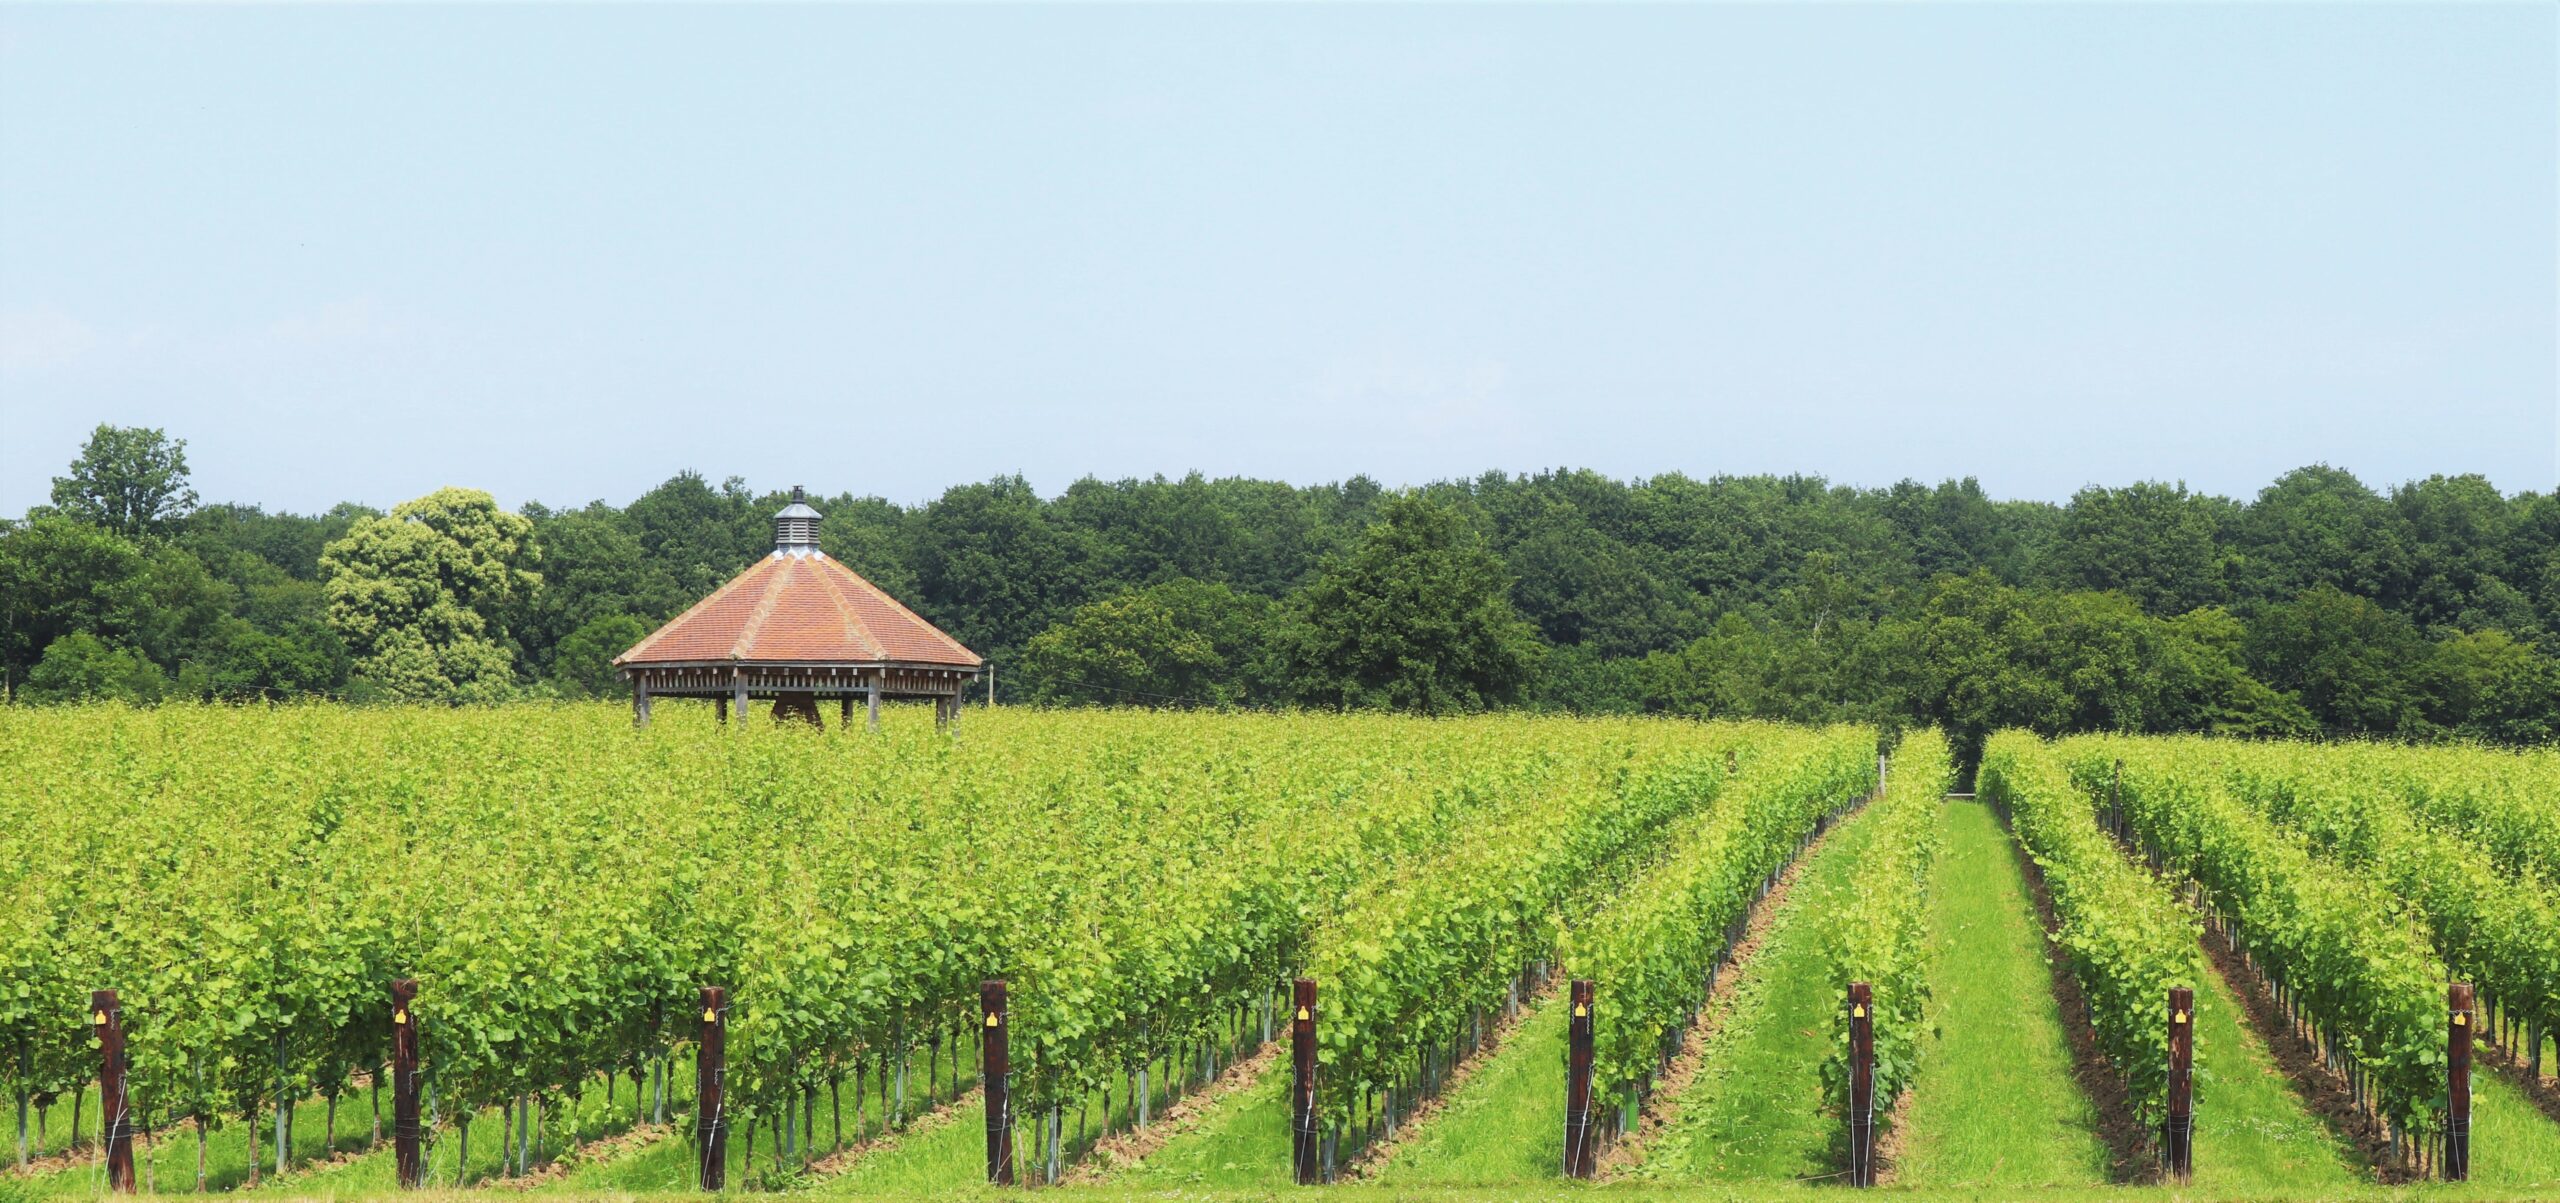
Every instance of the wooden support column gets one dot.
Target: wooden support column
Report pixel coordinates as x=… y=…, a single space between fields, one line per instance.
x=640 y=701
x=710 y=1077
x=2178 y=1129
x=739 y=695
x=2457 y=1066
x=956 y=707
x=844 y=710
x=875 y=701
x=1303 y=1144
x=1581 y=1143
x=995 y=1073
x=115 y=1103
x=406 y=1167
x=1862 y=1085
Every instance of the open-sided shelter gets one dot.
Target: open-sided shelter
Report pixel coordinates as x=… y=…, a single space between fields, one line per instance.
x=794 y=628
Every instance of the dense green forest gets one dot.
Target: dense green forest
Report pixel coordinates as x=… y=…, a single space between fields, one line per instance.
x=2319 y=606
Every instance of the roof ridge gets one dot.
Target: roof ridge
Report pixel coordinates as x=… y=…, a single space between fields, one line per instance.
x=764 y=607
x=901 y=608
x=853 y=625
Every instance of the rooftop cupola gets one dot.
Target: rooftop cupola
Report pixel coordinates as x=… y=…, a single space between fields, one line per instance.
x=795 y=528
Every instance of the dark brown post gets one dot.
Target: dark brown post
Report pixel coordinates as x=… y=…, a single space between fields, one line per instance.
x=2115 y=800
x=710 y=1074
x=1303 y=1145
x=404 y=1085
x=1862 y=1085
x=2178 y=1135
x=1581 y=1151
x=2457 y=1067
x=115 y=1107
x=995 y=1071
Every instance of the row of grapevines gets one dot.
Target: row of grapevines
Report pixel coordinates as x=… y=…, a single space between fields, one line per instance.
x=2505 y=803
x=1876 y=926
x=562 y=886
x=1411 y=959
x=2495 y=928
x=1650 y=952
x=2327 y=936
x=2127 y=939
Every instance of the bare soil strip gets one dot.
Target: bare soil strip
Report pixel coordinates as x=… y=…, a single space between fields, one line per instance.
x=2132 y=1157
x=2321 y=1089
x=1379 y=1151
x=1662 y=1106
x=1889 y=1139
x=1116 y=1152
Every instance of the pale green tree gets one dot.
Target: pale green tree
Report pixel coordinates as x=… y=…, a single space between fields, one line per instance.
x=420 y=595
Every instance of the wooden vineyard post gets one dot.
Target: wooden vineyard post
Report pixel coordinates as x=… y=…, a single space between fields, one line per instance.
x=2457 y=1068
x=2115 y=800
x=710 y=1074
x=404 y=1085
x=1303 y=1150
x=1581 y=1151
x=996 y=1071
x=1862 y=1085
x=2178 y=1133
x=115 y=1104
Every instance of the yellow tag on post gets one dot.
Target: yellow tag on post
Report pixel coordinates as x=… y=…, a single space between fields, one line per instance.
x=99 y=1018
x=1302 y=1013
x=2180 y=1017
x=399 y=1017
x=710 y=1016
x=1580 y=1011
x=2461 y=1019
x=1858 y=1012
x=991 y=1020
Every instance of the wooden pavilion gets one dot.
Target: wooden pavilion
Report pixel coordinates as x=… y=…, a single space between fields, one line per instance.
x=796 y=627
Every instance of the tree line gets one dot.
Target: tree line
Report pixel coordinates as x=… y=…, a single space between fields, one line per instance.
x=2321 y=605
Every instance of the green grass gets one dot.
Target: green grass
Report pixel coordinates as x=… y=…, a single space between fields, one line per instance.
x=2252 y=1131
x=170 y=1156
x=1994 y=1105
x=1239 y=1142
x=2513 y=1144
x=667 y=1164
x=1755 y=1112
x=952 y=1156
x=1506 y=1122
x=1693 y=1193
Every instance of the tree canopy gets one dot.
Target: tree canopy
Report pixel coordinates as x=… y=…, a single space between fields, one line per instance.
x=2322 y=604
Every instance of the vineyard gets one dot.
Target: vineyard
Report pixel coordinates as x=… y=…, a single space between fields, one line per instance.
x=533 y=948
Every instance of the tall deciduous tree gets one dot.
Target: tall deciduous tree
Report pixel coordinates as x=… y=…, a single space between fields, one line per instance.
x=1416 y=617
x=2356 y=665
x=129 y=479
x=1180 y=642
x=2153 y=542
x=420 y=596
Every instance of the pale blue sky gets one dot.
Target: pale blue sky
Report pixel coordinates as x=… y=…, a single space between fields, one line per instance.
x=561 y=253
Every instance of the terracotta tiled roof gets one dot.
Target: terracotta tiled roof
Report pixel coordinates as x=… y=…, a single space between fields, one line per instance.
x=799 y=608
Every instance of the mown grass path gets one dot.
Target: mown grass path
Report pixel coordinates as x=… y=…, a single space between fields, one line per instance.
x=1994 y=1103
x=1755 y=1111
x=1505 y=1123
x=1240 y=1141
x=2252 y=1130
